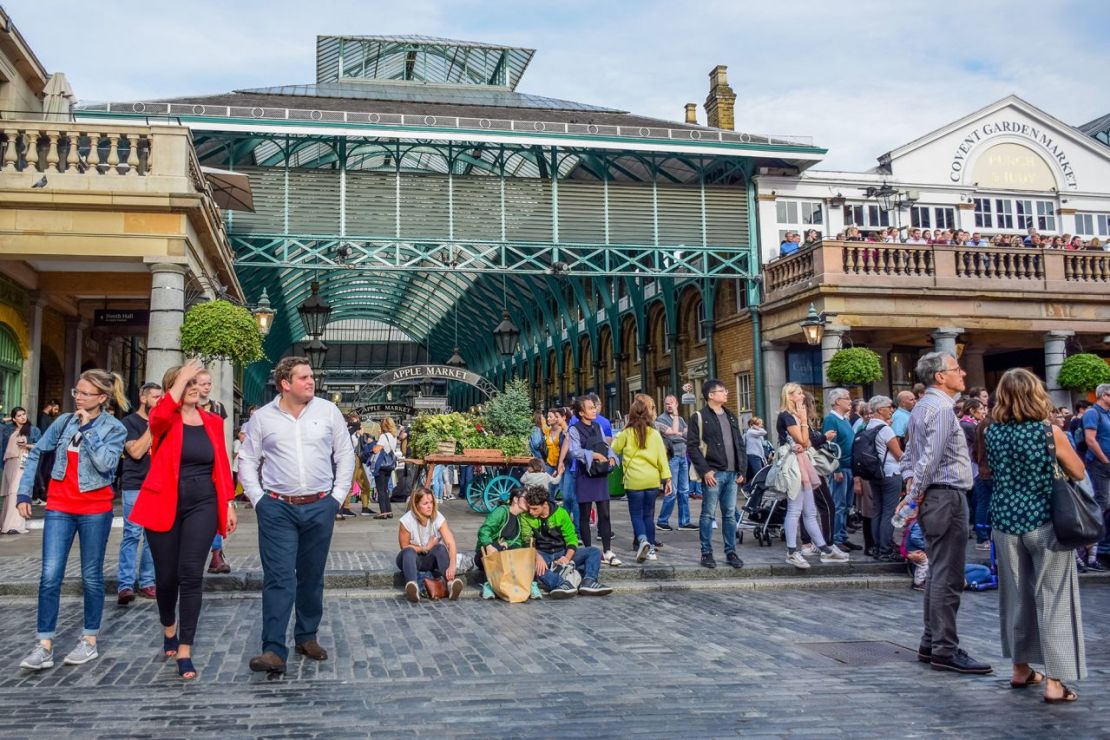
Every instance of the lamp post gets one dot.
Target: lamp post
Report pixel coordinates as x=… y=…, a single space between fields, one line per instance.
x=316 y=351
x=506 y=334
x=813 y=326
x=263 y=314
x=314 y=312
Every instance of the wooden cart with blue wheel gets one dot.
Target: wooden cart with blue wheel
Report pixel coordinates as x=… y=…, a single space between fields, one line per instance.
x=495 y=477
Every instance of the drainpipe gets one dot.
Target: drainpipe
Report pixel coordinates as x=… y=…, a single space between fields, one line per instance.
x=754 y=289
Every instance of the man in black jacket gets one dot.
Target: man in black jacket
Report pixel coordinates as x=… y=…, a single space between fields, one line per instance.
x=716 y=454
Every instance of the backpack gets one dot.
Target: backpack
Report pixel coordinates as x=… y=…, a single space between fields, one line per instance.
x=866 y=462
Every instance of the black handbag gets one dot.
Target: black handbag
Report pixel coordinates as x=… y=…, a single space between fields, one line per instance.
x=1076 y=516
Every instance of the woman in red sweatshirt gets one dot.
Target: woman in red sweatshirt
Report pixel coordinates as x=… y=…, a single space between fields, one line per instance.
x=185 y=500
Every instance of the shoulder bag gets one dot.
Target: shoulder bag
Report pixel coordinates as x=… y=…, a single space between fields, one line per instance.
x=1076 y=516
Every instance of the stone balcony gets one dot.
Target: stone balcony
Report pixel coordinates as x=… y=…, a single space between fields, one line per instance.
x=921 y=286
x=115 y=192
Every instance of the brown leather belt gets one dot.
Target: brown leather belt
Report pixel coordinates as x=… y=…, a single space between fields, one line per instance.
x=308 y=498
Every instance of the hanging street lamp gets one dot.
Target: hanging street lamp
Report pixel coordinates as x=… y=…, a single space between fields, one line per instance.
x=505 y=336
x=263 y=314
x=813 y=326
x=316 y=351
x=314 y=312
x=456 y=359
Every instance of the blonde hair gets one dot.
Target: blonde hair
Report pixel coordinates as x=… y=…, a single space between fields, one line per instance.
x=414 y=501
x=389 y=426
x=787 y=390
x=110 y=384
x=1021 y=396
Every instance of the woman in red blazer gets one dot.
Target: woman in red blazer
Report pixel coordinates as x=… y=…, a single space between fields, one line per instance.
x=185 y=500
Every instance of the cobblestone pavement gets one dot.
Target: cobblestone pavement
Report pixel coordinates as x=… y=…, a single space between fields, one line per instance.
x=689 y=664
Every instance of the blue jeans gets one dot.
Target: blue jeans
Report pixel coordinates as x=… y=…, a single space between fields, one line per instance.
x=293 y=542
x=438 y=481
x=981 y=495
x=680 y=492
x=217 y=543
x=1100 y=482
x=129 y=546
x=586 y=559
x=570 y=498
x=641 y=508
x=841 y=491
x=57 y=539
x=466 y=475
x=723 y=493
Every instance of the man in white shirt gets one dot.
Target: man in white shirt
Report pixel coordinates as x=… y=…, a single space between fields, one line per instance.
x=300 y=447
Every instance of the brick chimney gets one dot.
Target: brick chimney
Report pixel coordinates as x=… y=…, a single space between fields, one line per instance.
x=721 y=102
x=692 y=113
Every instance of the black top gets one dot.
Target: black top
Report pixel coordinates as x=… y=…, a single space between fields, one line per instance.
x=785 y=420
x=134 y=471
x=705 y=427
x=197 y=453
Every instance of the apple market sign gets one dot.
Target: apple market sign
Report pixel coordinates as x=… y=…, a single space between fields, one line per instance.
x=1034 y=133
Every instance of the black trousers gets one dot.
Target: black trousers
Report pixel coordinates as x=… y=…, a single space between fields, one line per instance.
x=180 y=554
x=381 y=485
x=604 y=524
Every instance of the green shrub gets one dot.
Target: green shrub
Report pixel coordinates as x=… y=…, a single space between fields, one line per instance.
x=855 y=366
x=1083 y=372
x=220 y=330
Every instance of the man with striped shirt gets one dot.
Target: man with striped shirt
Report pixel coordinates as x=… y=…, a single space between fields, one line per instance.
x=937 y=470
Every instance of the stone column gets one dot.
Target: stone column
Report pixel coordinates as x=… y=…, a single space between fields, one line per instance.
x=944 y=339
x=167 y=312
x=882 y=385
x=224 y=375
x=972 y=362
x=676 y=358
x=774 y=374
x=71 y=363
x=831 y=342
x=1055 y=350
x=33 y=366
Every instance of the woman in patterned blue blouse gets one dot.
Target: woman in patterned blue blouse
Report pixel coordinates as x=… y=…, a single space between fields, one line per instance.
x=1038 y=585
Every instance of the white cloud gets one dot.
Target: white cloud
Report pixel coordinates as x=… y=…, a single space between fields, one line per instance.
x=861 y=78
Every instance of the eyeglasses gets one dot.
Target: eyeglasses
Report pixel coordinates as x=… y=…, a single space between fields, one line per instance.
x=82 y=394
x=720 y=390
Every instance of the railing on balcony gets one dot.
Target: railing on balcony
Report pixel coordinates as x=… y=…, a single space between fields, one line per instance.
x=66 y=148
x=870 y=265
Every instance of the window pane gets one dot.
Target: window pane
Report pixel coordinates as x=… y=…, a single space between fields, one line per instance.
x=1084 y=224
x=946 y=218
x=811 y=214
x=1024 y=213
x=1103 y=224
x=919 y=217
x=783 y=213
x=983 y=213
x=1005 y=211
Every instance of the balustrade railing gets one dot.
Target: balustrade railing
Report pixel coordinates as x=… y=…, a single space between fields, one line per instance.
x=1087 y=267
x=999 y=262
x=73 y=150
x=861 y=258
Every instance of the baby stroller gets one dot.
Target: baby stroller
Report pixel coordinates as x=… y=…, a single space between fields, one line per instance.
x=765 y=509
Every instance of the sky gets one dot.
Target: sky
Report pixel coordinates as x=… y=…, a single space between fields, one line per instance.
x=861 y=77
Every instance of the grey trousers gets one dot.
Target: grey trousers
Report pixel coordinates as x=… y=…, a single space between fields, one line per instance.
x=944 y=520
x=1038 y=603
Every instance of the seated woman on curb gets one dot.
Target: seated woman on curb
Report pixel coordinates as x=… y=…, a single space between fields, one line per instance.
x=427 y=544
x=501 y=531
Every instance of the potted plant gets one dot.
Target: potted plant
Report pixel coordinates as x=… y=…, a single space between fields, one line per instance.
x=855 y=366
x=220 y=330
x=1083 y=372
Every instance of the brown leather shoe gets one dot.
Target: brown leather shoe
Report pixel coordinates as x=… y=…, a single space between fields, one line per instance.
x=312 y=649
x=218 y=564
x=125 y=597
x=269 y=662
x=148 y=592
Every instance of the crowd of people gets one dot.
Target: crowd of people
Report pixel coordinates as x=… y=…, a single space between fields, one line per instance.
x=1032 y=239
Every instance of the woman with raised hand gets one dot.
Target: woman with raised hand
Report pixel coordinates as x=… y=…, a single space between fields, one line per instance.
x=185 y=501
x=87 y=445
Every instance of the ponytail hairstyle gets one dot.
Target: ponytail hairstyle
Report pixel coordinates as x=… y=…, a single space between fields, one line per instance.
x=110 y=384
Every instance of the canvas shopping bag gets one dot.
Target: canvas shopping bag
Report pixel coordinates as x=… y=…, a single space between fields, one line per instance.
x=510 y=573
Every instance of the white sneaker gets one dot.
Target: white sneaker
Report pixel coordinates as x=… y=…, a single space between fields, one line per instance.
x=809 y=550
x=651 y=554
x=610 y=559
x=834 y=555
x=83 y=653
x=642 y=550
x=39 y=658
x=795 y=558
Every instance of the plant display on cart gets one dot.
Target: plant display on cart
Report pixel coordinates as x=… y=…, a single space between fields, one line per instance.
x=220 y=330
x=504 y=426
x=429 y=430
x=1083 y=372
x=855 y=366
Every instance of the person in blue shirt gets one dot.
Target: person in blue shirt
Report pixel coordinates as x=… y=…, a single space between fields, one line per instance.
x=840 y=482
x=789 y=244
x=1096 y=433
x=900 y=421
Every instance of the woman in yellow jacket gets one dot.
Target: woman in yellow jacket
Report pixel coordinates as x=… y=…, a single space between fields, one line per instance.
x=646 y=470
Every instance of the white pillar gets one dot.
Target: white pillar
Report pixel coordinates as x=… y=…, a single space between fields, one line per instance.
x=944 y=339
x=71 y=363
x=831 y=342
x=225 y=388
x=774 y=376
x=32 y=368
x=1055 y=350
x=167 y=312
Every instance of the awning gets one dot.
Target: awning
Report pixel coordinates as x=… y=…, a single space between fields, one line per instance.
x=231 y=190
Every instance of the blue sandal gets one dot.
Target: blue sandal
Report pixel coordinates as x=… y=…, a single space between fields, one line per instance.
x=169 y=646
x=185 y=666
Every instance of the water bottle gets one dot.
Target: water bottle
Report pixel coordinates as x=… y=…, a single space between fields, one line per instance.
x=904 y=514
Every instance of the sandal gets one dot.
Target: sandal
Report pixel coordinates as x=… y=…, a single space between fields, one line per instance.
x=185 y=669
x=1069 y=696
x=1033 y=679
x=169 y=645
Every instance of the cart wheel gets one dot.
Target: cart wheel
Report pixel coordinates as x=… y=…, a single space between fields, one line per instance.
x=497 y=491
x=475 y=492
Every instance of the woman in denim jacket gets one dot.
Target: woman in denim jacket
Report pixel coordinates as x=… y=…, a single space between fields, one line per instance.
x=87 y=446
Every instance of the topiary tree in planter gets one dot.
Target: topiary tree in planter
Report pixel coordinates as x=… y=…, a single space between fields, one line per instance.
x=855 y=366
x=220 y=330
x=1083 y=372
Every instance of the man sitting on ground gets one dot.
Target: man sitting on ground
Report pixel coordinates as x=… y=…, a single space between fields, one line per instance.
x=556 y=543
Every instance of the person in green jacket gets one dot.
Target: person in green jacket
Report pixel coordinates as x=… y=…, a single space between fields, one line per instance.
x=501 y=531
x=552 y=532
x=647 y=468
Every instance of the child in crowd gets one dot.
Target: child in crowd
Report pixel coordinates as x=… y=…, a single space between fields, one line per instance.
x=913 y=550
x=501 y=531
x=754 y=439
x=537 y=475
